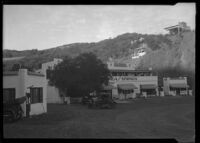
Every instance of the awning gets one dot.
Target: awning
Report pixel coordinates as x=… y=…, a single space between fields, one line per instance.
x=148 y=86
x=126 y=86
x=180 y=85
x=108 y=87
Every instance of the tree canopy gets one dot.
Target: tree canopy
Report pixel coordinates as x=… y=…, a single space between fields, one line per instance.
x=81 y=75
x=16 y=67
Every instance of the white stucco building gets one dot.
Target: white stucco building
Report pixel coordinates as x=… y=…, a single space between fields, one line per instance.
x=52 y=92
x=175 y=86
x=17 y=84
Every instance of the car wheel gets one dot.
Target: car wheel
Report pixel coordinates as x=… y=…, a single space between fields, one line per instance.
x=18 y=115
x=8 y=117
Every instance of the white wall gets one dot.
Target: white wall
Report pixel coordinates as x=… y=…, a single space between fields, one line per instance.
x=168 y=81
x=51 y=64
x=21 y=82
x=165 y=86
x=38 y=81
x=12 y=82
x=52 y=92
x=53 y=95
x=17 y=82
x=177 y=81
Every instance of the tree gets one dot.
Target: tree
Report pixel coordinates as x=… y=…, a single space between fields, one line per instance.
x=16 y=67
x=81 y=75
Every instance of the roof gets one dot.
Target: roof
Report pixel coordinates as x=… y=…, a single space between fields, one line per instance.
x=108 y=87
x=148 y=86
x=11 y=73
x=120 y=65
x=129 y=70
x=171 y=27
x=127 y=86
x=35 y=74
x=8 y=73
x=180 y=85
x=180 y=25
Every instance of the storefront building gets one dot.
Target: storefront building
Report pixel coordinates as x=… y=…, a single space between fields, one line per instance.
x=175 y=86
x=130 y=83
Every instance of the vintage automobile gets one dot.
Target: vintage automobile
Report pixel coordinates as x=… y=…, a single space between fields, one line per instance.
x=86 y=99
x=12 y=110
x=102 y=101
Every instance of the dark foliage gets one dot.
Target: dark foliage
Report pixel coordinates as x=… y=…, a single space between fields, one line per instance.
x=16 y=67
x=117 y=48
x=81 y=75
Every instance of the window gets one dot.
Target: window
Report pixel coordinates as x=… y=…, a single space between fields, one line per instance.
x=8 y=94
x=48 y=73
x=36 y=95
x=149 y=91
x=125 y=91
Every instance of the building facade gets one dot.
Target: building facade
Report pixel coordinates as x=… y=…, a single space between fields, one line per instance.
x=20 y=84
x=178 y=29
x=130 y=83
x=53 y=94
x=175 y=86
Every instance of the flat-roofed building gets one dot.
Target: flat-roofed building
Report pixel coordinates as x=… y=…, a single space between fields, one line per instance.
x=175 y=86
x=128 y=82
x=53 y=93
x=21 y=83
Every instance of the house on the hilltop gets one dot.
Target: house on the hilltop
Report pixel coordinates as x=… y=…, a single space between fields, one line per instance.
x=139 y=52
x=22 y=83
x=178 y=29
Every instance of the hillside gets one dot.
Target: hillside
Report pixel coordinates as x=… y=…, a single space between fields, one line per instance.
x=168 y=55
x=117 y=47
x=166 y=52
x=177 y=60
x=180 y=54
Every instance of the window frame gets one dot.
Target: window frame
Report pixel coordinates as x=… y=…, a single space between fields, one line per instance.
x=13 y=90
x=36 y=94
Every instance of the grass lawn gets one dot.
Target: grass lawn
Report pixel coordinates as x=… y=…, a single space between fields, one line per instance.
x=158 y=117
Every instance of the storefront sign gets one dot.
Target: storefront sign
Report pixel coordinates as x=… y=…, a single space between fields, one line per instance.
x=129 y=78
x=124 y=78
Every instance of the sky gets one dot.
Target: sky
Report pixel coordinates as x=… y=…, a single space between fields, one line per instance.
x=41 y=27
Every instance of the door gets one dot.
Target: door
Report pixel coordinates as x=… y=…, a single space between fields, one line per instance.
x=28 y=104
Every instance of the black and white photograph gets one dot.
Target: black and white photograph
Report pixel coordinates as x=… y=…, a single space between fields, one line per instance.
x=99 y=71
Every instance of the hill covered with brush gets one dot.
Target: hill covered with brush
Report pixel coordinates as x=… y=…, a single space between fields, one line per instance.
x=168 y=55
x=117 y=47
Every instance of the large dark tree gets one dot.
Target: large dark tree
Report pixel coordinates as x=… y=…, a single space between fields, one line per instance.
x=81 y=75
x=16 y=67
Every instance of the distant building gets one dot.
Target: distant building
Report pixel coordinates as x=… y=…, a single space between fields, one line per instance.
x=178 y=29
x=53 y=94
x=130 y=83
x=175 y=86
x=139 y=52
x=18 y=84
